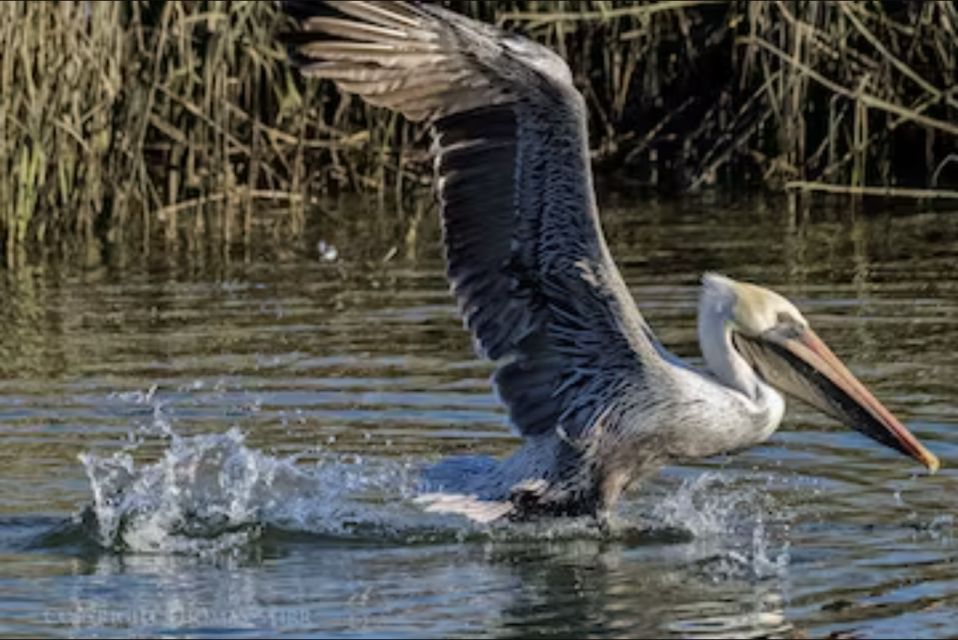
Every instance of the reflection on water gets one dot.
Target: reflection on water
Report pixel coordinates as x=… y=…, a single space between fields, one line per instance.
x=248 y=436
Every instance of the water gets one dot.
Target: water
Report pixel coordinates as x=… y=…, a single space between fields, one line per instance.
x=205 y=448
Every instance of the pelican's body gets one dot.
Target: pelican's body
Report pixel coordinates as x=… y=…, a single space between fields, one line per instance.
x=599 y=402
x=677 y=413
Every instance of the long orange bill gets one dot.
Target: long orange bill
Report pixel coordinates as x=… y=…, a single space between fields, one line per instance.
x=804 y=367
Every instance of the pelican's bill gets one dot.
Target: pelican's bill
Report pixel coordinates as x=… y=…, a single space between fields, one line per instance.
x=801 y=365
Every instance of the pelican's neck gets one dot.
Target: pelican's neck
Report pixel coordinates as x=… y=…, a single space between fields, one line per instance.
x=715 y=340
x=763 y=405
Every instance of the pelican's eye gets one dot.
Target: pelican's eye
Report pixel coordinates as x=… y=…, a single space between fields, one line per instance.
x=788 y=326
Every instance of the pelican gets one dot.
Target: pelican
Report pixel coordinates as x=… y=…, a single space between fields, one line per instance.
x=599 y=402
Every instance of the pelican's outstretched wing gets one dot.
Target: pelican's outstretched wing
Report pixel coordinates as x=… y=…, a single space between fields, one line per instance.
x=526 y=256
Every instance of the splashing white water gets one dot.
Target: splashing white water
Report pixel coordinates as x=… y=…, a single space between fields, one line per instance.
x=209 y=493
x=212 y=493
x=728 y=525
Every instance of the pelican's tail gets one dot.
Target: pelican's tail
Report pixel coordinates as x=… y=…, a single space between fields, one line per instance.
x=469 y=486
x=470 y=506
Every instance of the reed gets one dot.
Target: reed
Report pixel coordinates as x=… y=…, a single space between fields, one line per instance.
x=178 y=126
x=124 y=122
x=692 y=93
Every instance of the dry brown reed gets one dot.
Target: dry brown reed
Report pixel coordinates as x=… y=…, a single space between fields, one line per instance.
x=690 y=93
x=125 y=122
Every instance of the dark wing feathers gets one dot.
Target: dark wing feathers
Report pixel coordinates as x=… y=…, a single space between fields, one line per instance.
x=526 y=257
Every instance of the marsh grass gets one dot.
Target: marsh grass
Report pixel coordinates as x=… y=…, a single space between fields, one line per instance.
x=692 y=93
x=122 y=123
x=179 y=126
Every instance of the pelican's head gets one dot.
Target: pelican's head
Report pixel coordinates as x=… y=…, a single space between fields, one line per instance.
x=775 y=340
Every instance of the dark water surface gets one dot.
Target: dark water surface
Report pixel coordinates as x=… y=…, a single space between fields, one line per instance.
x=249 y=435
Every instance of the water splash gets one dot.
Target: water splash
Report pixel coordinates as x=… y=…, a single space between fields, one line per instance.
x=205 y=494
x=210 y=493
x=735 y=531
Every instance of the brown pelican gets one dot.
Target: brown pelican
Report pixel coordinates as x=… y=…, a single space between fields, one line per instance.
x=599 y=402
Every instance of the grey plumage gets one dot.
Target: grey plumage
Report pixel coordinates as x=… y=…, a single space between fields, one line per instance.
x=525 y=253
x=597 y=399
